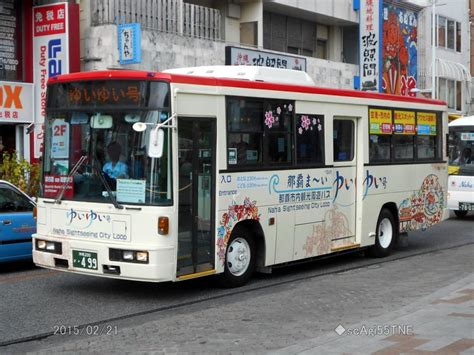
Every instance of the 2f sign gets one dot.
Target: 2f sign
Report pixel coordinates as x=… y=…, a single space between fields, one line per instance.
x=59 y=130
x=10 y=97
x=54 y=52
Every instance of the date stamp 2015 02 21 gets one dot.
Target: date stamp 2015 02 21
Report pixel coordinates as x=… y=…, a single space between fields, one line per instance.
x=87 y=330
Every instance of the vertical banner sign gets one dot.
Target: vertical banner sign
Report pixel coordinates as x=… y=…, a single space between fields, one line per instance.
x=369 y=45
x=399 y=50
x=51 y=56
x=129 y=42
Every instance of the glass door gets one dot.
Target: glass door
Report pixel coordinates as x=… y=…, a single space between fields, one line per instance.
x=196 y=153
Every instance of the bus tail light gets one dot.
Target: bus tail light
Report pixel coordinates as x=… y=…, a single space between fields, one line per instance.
x=35 y=212
x=163 y=225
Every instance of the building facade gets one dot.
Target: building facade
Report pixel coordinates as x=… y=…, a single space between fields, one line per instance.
x=321 y=37
x=452 y=57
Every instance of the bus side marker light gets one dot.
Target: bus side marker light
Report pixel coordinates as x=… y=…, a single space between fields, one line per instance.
x=163 y=225
x=271 y=221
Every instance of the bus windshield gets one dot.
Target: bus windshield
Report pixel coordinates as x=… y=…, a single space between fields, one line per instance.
x=91 y=152
x=461 y=151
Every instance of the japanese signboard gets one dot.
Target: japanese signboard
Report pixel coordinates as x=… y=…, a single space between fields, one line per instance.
x=15 y=102
x=399 y=50
x=404 y=122
x=369 y=45
x=8 y=40
x=426 y=123
x=129 y=43
x=380 y=121
x=52 y=31
x=244 y=56
x=60 y=139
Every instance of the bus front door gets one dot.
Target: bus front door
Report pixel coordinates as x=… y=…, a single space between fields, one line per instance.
x=196 y=157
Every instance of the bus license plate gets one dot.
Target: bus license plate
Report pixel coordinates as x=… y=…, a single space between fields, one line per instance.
x=466 y=206
x=84 y=259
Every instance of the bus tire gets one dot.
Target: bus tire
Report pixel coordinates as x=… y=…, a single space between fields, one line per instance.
x=386 y=235
x=240 y=259
x=460 y=213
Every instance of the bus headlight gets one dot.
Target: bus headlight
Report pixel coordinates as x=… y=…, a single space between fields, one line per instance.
x=129 y=256
x=48 y=246
x=40 y=244
x=142 y=256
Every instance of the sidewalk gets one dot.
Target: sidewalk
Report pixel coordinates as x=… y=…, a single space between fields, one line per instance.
x=441 y=323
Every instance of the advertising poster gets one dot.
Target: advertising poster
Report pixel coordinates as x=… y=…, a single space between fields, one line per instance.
x=426 y=123
x=399 y=51
x=404 y=122
x=380 y=121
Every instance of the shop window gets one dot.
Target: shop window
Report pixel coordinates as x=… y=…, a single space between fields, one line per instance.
x=321 y=49
x=441 y=31
x=451 y=34
x=458 y=95
x=458 y=36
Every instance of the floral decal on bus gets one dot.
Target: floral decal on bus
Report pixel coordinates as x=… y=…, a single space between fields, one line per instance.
x=273 y=115
x=334 y=228
x=234 y=214
x=308 y=122
x=423 y=208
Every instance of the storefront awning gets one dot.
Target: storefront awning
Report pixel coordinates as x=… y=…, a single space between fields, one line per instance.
x=452 y=70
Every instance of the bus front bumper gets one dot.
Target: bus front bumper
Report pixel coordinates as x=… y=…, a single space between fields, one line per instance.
x=89 y=258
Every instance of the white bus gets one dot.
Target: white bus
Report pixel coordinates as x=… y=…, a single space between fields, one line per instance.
x=229 y=170
x=461 y=166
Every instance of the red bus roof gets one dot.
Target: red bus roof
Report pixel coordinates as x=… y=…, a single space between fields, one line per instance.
x=239 y=83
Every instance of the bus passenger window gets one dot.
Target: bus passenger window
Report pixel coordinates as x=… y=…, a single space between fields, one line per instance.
x=343 y=140
x=403 y=147
x=426 y=147
x=379 y=148
x=309 y=139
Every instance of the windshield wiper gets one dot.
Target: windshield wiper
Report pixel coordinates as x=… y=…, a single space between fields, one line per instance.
x=107 y=187
x=71 y=173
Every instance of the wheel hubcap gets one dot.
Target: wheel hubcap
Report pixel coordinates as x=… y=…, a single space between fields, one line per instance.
x=238 y=256
x=385 y=233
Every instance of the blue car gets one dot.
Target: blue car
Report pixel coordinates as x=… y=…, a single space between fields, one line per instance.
x=17 y=223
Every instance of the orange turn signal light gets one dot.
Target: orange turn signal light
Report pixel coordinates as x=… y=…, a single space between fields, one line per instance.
x=163 y=225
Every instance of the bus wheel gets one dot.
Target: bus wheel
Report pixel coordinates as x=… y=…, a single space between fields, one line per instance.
x=460 y=214
x=386 y=235
x=239 y=260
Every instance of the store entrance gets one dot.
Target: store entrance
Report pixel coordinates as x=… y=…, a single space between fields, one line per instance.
x=7 y=139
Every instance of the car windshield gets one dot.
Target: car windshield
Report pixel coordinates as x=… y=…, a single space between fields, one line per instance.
x=461 y=151
x=94 y=154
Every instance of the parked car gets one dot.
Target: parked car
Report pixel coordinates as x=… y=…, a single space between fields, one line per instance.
x=17 y=223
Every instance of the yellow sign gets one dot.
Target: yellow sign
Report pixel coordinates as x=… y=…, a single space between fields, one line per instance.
x=404 y=122
x=380 y=121
x=426 y=124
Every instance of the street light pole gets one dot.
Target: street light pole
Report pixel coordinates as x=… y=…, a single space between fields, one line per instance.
x=433 y=51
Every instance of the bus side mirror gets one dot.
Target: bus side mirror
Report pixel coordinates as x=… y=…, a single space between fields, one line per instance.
x=155 y=143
